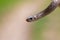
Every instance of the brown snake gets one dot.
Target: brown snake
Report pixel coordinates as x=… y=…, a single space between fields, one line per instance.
x=53 y=5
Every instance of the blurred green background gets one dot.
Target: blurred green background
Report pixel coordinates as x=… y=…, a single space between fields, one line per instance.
x=40 y=25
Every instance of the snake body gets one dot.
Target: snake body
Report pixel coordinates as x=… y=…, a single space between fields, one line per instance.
x=53 y=5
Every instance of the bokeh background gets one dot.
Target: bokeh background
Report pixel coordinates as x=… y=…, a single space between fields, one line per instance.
x=47 y=28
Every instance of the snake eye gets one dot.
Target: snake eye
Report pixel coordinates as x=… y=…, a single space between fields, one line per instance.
x=31 y=18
